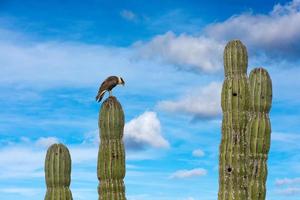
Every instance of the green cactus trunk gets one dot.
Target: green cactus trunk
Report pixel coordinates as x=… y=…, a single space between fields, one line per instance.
x=111 y=156
x=259 y=133
x=235 y=106
x=58 y=173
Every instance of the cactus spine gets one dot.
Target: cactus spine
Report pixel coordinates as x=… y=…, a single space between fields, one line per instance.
x=111 y=156
x=259 y=133
x=58 y=173
x=235 y=107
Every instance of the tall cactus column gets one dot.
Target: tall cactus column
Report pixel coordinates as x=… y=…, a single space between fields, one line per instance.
x=235 y=107
x=58 y=173
x=111 y=156
x=259 y=133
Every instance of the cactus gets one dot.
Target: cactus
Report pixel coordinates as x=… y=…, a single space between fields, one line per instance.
x=235 y=106
x=58 y=173
x=259 y=133
x=111 y=156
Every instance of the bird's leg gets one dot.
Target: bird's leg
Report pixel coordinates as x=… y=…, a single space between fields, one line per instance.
x=110 y=93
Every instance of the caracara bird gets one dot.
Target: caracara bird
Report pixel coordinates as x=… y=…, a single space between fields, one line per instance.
x=107 y=85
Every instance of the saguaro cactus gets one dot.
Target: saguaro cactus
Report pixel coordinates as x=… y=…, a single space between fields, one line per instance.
x=235 y=107
x=259 y=133
x=58 y=173
x=111 y=156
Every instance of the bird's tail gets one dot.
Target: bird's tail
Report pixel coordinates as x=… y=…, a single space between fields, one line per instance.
x=100 y=96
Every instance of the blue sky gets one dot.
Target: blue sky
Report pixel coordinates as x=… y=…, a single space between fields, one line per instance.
x=55 y=54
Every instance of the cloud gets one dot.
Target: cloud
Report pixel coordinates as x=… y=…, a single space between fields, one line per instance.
x=262 y=33
x=139 y=196
x=277 y=33
x=26 y=63
x=189 y=198
x=202 y=103
x=292 y=188
x=180 y=174
x=128 y=15
x=287 y=181
x=21 y=162
x=83 y=153
x=144 y=130
x=55 y=63
x=285 y=141
x=139 y=133
x=92 y=137
x=291 y=138
x=185 y=51
x=46 y=141
x=30 y=192
x=25 y=159
x=289 y=191
x=198 y=153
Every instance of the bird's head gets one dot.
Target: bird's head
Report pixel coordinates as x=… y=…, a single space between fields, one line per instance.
x=121 y=81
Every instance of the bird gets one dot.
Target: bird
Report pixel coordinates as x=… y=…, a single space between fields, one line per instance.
x=108 y=84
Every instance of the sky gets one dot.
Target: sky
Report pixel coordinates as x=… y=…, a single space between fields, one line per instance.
x=55 y=54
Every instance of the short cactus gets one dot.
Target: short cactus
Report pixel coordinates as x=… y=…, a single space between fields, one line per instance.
x=111 y=156
x=58 y=173
x=235 y=107
x=259 y=133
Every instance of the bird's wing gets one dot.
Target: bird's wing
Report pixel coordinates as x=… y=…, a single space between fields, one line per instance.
x=104 y=86
x=101 y=91
x=111 y=78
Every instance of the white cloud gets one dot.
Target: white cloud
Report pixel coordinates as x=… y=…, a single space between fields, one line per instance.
x=149 y=154
x=189 y=198
x=21 y=162
x=29 y=192
x=83 y=154
x=139 y=133
x=144 y=130
x=46 y=141
x=287 y=181
x=128 y=15
x=203 y=52
x=277 y=32
x=202 y=103
x=56 y=63
x=185 y=51
x=24 y=139
x=198 y=153
x=285 y=141
x=289 y=191
x=84 y=193
x=92 y=137
x=25 y=160
x=189 y=173
x=290 y=7
x=291 y=138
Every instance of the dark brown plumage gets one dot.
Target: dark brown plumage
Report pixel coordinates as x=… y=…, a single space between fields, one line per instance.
x=107 y=85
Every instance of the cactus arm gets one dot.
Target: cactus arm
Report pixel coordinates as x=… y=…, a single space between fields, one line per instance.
x=259 y=133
